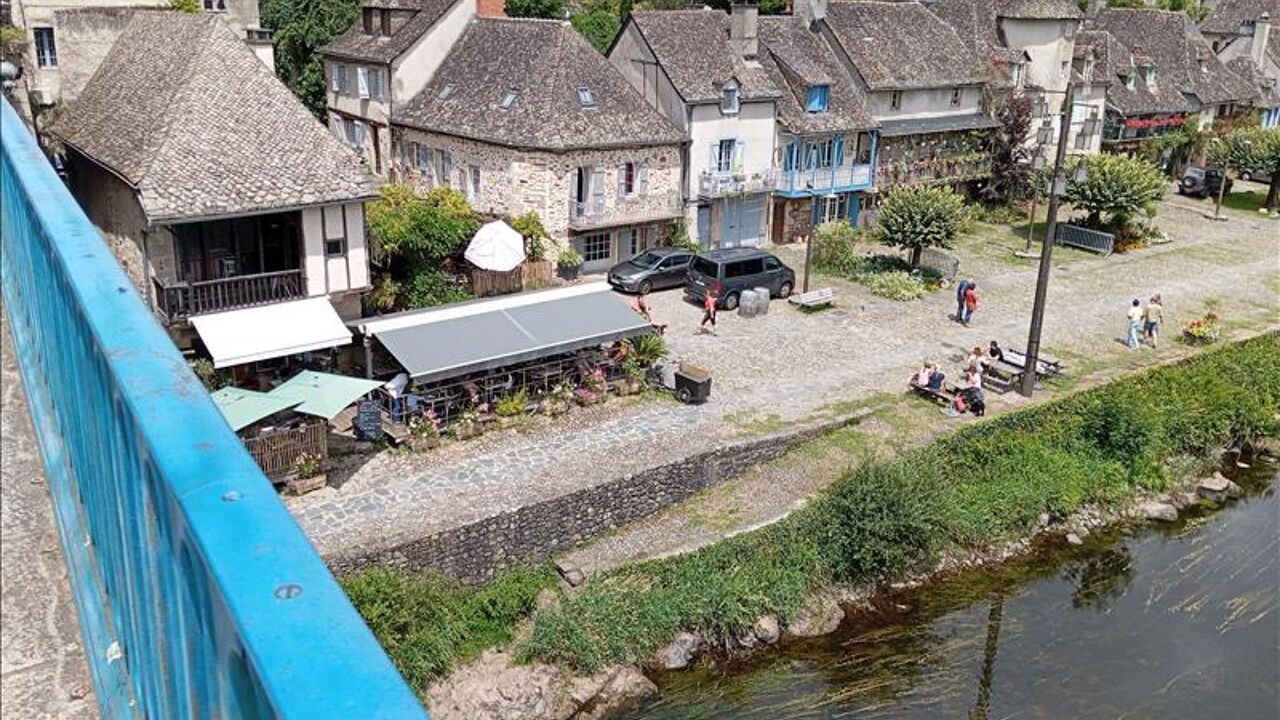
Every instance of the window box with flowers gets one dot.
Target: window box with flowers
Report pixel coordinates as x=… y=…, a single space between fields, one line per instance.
x=468 y=425
x=308 y=474
x=557 y=400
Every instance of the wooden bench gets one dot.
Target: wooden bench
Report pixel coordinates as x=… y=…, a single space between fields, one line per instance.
x=946 y=395
x=1045 y=365
x=814 y=298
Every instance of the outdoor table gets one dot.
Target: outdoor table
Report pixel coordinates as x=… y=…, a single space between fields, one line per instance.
x=1044 y=366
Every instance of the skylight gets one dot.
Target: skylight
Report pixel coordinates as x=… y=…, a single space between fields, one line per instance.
x=446 y=91
x=585 y=98
x=509 y=99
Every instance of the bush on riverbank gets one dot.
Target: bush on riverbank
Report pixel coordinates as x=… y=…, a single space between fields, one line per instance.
x=987 y=482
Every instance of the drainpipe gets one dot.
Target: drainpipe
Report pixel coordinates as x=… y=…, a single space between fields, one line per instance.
x=368 y=357
x=146 y=270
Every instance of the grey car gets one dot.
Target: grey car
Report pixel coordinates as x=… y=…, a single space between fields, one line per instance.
x=735 y=270
x=651 y=270
x=1256 y=175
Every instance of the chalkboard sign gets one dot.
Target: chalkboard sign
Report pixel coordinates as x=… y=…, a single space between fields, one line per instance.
x=368 y=420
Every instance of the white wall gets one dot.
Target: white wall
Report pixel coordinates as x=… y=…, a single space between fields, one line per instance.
x=928 y=102
x=416 y=66
x=753 y=124
x=337 y=273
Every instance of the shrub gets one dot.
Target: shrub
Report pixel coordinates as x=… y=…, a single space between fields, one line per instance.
x=894 y=285
x=545 y=9
x=433 y=287
x=647 y=349
x=212 y=378
x=833 y=248
x=678 y=237
x=569 y=258
x=512 y=405
x=914 y=217
x=1117 y=188
x=307 y=465
x=530 y=227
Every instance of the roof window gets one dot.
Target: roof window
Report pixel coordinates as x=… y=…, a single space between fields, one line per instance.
x=585 y=98
x=445 y=92
x=819 y=96
x=509 y=99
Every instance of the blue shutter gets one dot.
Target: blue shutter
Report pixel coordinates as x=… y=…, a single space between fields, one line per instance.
x=839 y=151
x=789 y=160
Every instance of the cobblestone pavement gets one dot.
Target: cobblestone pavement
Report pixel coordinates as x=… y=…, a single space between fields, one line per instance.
x=42 y=667
x=785 y=369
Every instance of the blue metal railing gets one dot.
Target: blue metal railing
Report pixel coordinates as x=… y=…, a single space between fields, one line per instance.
x=198 y=594
x=821 y=181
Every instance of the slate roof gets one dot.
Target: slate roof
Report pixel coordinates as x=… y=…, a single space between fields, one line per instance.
x=977 y=21
x=355 y=44
x=1180 y=54
x=903 y=45
x=545 y=61
x=1228 y=15
x=1113 y=64
x=797 y=58
x=694 y=50
x=184 y=112
x=1268 y=88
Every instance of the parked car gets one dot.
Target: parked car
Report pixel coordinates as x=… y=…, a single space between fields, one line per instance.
x=1256 y=175
x=738 y=269
x=1202 y=182
x=651 y=270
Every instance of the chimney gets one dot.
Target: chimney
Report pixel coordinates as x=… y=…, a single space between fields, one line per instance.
x=1261 y=36
x=811 y=11
x=491 y=8
x=743 y=17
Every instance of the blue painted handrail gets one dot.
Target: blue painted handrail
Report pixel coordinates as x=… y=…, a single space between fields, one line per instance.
x=198 y=594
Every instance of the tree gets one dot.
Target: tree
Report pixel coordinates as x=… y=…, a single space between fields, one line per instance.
x=300 y=27
x=1255 y=149
x=415 y=236
x=598 y=26
x=1117 y=188
x=546 y=9
x=186 y=6
x=915 y=217
x=1010 y=156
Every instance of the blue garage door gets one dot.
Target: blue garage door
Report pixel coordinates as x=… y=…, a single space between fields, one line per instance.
x=742 y=221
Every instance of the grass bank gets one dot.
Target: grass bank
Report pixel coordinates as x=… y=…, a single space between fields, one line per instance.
x=985 y=483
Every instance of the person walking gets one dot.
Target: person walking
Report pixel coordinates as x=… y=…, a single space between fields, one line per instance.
x=961 y=289
x=1151 y=317
x=1135 y=323
x=970 y=303
x=709 y=299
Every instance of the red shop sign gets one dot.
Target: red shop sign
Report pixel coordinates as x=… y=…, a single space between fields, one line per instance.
x=1138 y=123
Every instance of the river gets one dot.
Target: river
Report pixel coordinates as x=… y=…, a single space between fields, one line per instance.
x=1177 y=621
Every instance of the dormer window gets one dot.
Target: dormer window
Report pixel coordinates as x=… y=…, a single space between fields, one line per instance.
x=215 y=5
x=1129 y=81
x=376 y=21
x=955 y=97
x=730 y=103
x=585 y=98
x=1088 y=68
x=895 y=100
x=509 y=99
x=819 y=96
x=1149 y=76
x=445 y=92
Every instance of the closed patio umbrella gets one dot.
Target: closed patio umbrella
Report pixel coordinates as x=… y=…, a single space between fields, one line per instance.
x=496 y=247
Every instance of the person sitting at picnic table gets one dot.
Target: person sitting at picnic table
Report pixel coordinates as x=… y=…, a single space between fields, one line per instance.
x=977 y=360
x=921 y=379
x=936 y=378
x=995 y=353
x=974 y=394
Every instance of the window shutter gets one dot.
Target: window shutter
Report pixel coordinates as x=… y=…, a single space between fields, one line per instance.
x=838 y=160
x=575 y=184
x=642 y=178
x=335 y=127
x=362 y=82
x=622 y=181
x=334 y=80
x=739 y=149
x=597 y=182
x=713 y=164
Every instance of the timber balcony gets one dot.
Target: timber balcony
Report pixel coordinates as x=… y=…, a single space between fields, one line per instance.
x=181 y=300
x=197 y=594
x=602 y=211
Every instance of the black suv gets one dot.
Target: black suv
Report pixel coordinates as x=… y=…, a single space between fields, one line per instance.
x=738 y=269
x=1202 y=182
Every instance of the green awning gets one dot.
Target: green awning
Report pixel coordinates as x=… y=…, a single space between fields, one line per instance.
x=245 y=407
x=323 y=394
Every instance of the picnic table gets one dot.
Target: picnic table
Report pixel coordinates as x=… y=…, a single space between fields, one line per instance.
x=1045 y=365
x=945 y=394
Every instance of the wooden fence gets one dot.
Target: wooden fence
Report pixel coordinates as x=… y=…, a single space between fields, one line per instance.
x=278 y=450
x=529 y=276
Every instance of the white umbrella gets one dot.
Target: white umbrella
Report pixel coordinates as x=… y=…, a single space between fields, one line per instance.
x=496 y=247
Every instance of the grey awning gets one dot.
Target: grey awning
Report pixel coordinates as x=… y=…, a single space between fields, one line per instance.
x=485 y=334
x=949 y=123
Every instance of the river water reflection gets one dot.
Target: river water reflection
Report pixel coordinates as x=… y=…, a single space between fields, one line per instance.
x=1172 y=622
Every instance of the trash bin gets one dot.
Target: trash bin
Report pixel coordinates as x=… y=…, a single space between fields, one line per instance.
x=747 y=303
x=762 y=300
x=693 y=384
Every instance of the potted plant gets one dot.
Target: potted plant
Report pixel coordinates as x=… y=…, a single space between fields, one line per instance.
x=308 y=474
x=569 y=264
x=510 y=407
x=1202 y=330
x=593 y=388
x=424 y=431
x=468 y=424
x=557 y=400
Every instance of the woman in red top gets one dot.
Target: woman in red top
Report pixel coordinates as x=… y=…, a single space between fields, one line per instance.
x=970 y=303
x=709 y=307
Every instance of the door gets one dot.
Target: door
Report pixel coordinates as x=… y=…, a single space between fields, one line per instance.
x=672 y=271
x=704 y=226
x=741 y=221
x=779 y=221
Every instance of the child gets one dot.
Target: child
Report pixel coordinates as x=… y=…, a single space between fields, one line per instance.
x=709 y=308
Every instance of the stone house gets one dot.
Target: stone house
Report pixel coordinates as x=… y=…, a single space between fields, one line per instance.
x=826 y=136
x=701 y=70
x=382 y=61
x=212 y=183
x=1031 y=47
x=524 y=115
x=1240 y=32
x=67 y=39
x=1169 y=76
x=924 y=86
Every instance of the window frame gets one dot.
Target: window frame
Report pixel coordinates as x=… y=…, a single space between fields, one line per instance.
x=730 y=98
x=585 y=97
x=895 y=99
x=722 y=166
x=341 y=244
x=628 y=179
x=46 y=54
x=955 y=97
x=818 y=98
x=594 y=244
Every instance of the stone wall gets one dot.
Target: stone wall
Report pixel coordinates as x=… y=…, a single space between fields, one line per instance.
x=797 y=219
x=473 y=552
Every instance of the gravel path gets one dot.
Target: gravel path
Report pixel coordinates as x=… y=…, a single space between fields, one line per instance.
x=787 y=369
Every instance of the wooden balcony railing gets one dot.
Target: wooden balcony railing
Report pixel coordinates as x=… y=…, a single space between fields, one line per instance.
x=180 y=301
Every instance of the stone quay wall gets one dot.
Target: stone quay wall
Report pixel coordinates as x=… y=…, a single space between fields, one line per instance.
x=472 y=553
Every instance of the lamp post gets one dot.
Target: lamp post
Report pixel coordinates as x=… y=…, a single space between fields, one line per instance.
x=1222 y=183
x=1057 y=186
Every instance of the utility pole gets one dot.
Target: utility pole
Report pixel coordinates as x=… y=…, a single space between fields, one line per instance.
x=808 y=258
x=1056 y=187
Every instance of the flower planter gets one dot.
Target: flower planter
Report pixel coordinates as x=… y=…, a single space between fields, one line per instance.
x=568 y=274
x=467 y=430
x=302 y=486
x=424 y=443
x=552 y=408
